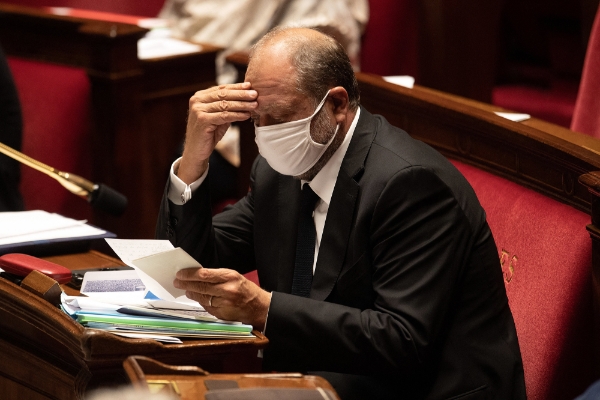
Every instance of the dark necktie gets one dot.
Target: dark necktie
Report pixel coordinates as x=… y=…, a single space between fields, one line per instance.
x=305 y=243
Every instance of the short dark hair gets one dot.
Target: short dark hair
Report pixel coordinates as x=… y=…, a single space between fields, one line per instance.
x=320 y=65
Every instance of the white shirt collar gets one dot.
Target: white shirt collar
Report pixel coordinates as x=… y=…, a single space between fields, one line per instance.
x=324 y=182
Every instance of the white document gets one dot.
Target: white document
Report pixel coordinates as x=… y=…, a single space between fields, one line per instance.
x=517 y=117
x=162 y=268
x=109 y=303
x=72 y=304
x=181 y=304
x=34 y=225
x=156 y=262
x=131 y=249
x=160 y=338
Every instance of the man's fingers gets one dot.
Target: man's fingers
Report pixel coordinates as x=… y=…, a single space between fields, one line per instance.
x=223 y=117
x=231 y=92
x=209 y=275
x=226 y=105
x=228 y=94
x=203 y=299
x=221 y=112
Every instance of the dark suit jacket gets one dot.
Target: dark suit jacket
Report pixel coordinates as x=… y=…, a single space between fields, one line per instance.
x=407 y=300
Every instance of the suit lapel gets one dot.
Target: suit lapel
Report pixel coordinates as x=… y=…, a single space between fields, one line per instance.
x=341 y=213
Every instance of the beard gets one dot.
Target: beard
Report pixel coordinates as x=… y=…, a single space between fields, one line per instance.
x=321 y=131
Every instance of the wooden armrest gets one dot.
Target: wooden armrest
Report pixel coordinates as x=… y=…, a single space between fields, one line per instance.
x=43 y=286
x=190 y=382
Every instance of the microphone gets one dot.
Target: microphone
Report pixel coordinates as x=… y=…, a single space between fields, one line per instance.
x=99 y=196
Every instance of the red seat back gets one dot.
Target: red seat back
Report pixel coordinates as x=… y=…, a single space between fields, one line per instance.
x=545 y=254
x=55 y=103
x=586 y=117
x=390 y=42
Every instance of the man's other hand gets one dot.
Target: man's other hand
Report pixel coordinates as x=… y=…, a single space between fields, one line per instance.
x=226 y=294
x=210 y=114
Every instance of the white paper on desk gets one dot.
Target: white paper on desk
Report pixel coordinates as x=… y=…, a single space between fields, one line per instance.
x=72 y=304
x=517 y=117
x=401 y=80
x=162 y=268
x=160 y=338
x=181 y=304
x=34 y=225
x=155 y=47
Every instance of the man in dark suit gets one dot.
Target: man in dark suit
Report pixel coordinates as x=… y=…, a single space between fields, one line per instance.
x=407 y=298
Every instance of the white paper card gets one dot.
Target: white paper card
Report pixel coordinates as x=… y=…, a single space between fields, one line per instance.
x=162 y=268
x=131 y=249
x=517 y=117
x=155 y=47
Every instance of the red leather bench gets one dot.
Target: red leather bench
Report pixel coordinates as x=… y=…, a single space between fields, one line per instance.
x=545 y=254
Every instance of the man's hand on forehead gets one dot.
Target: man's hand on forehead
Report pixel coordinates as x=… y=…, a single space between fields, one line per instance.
x=231 y=103
x=210 y=114
x=235 y=91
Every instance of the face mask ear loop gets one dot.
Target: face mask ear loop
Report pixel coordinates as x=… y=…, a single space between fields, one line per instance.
x=313 y=116
x=320 y=104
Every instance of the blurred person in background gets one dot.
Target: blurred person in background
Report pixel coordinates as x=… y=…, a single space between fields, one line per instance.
x=11 y=127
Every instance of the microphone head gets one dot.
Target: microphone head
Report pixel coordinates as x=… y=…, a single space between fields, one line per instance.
x=108 y=200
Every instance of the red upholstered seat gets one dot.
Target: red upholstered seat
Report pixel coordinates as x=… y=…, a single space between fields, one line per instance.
x=586 y=117
x=540 y=60
x=545 y=254
x=55 y=103
x=390 y=42
x=555 y=104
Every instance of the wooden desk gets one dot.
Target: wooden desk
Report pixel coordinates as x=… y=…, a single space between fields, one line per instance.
x=44 y=354
x=139 y=106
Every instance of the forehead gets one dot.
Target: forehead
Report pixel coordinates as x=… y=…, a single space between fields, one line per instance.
x=274 y=78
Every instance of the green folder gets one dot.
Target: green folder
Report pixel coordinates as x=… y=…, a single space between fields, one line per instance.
x=148 y=322
x=177 y=332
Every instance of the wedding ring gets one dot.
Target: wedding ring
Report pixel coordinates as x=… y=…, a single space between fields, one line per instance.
x=210 y=301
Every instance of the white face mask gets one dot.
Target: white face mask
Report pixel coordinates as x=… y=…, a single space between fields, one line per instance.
x=288 y=147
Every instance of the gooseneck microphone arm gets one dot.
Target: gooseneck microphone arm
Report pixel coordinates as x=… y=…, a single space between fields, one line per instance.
x=99 y=196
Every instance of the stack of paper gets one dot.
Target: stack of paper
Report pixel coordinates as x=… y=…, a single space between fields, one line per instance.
x=131 y=325
x=147 y=319
x=143 y=303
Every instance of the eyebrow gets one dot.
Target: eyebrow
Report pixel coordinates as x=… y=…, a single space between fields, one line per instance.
x=277 y=109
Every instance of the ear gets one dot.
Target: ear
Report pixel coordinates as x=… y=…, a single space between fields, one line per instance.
x=340 y=102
